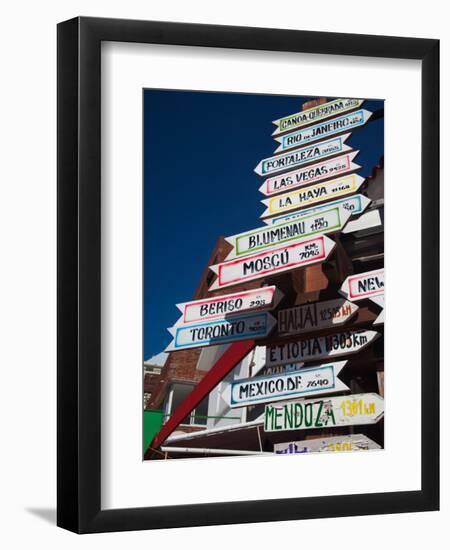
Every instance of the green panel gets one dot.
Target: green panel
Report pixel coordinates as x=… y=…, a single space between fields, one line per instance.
x=153 y=421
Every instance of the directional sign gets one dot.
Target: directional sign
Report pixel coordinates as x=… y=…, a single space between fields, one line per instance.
x=379 y=300
x=340 y=443
x=313 y=381
x=315 y=316
x=323 y=130
x=220 y=307
x=311 y=349
x=329 y=220
x=272 y=262
x=321 y=112
x=363 y=285
x=222 y=331
x=313 y=173
x=305 y=155
x=356 y=204
x=367 y=221
x=313 y=194
x=351 y=410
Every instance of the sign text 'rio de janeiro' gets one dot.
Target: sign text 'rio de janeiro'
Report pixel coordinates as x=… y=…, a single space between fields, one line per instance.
x=315 y=316
x=313 y=194
x=314 y=114
x=325 y=412
x=305 y=155
x=221 y=307
x=301 y=253
x=222 y=331
x=327 y=221
x=323 y=130
x=312 y=381
x=311 y=349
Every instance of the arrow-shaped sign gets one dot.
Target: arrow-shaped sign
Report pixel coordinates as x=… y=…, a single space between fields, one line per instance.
x=379 y=300
x=327 y=221
x=356 y=204
x=321 y=112
x=322 y=130
x=313 y=194
x=315 y=316
x=340 y=443
x=305 y=155
x=363 y=285
x=367 y=221
x=272 y=262
x=221 y=307
x=351 y=410
x=278 y=387
x=313 y=173
x=222 y=331
x=311 y=349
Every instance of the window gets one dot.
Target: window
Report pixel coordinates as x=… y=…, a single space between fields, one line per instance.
x=177 y=395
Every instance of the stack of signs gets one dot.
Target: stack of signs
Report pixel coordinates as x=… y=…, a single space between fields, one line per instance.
x=368 y=285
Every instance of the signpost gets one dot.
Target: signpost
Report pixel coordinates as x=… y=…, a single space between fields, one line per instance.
x=222 y=331
x=327 y=412
x=311 y=381
x=363 y=285
x=315 y=316
x=272 y=262
x=305 y=155
x=322 y=130
x=340 y=443
x=313 y=173
x=311 y=349
x=329 y=220
x=320 y=112
x=221 y=307
x=313 y=194
x=356 y=204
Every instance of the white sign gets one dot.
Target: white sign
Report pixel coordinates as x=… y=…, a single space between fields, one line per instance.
x=363 y=285
x=273 y=262
x=306 y=196
x=379 y=300
x=320 y=112
x=222 y=331
x=327 y=412
x=340 y=443
x=327 y=221
x=279 y=163
x=220 y=307
x=367 y=221
x=313 y=381
x=323 y=130
x=311 y=349
x=315 y=316
x=356 y=204
x=313 y=173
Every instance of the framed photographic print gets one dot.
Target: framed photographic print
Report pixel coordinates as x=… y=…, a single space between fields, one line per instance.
x=231 y=202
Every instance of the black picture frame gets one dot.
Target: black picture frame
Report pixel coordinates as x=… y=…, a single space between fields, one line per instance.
x=79 y=275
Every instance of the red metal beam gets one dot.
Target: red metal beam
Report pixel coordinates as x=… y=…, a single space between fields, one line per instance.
x=231 y=357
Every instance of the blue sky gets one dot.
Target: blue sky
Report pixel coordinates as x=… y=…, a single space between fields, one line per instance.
x=200 y=150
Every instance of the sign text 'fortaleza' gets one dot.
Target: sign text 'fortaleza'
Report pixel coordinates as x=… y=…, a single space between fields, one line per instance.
x=355 y=204
x=320 y=112
x=292 y=159
x=311 y=349
x=313 y=194
x=246 y=327
x=329 y=220
x=272 y=262
x=315 y=316
x=221 y=307
x=363 y=285
x=340 y=443
x=323 y=130
x=327 y=412
x=312 y=381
